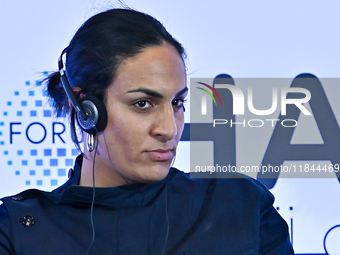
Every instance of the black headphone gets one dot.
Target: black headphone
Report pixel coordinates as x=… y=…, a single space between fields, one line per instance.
x=91 y=113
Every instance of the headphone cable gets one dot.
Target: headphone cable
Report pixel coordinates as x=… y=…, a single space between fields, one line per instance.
x=93 y=198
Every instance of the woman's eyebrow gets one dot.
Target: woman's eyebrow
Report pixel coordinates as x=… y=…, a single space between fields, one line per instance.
x=182 y=92
x=148 y=92
x=155 y=93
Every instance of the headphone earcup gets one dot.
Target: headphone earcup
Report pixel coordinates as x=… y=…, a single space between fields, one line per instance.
x=96 y=115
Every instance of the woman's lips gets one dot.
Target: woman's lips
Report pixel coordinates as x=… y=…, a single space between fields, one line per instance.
x=161 y=155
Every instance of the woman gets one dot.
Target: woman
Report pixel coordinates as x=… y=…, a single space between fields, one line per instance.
x=125 y=83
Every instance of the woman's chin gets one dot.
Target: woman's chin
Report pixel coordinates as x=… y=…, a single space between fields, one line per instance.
x=155 y=175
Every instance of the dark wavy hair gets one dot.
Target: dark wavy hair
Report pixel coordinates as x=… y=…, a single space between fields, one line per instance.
x=99 y=47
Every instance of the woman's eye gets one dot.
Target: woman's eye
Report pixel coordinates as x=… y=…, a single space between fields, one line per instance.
x=178 y=103
x=143 y=104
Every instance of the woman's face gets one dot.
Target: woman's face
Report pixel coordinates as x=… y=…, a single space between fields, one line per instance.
x=145 y=118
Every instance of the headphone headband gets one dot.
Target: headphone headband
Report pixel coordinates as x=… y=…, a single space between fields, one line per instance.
x=67 y=87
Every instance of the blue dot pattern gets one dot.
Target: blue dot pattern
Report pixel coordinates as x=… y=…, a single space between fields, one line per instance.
x=61 y=172
x=54 y=182
x=53 y=162
x=47 y=152
x=33 y=113
x=61 y=152
x=45 y=163
x=47 y=113
x=69 y=162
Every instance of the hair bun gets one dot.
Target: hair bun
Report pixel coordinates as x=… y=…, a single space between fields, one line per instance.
x=57 y=92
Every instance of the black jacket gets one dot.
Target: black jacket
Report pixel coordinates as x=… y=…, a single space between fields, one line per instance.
x=177 y=215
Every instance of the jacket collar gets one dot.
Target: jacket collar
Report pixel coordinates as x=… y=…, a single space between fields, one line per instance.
x=132 y=195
